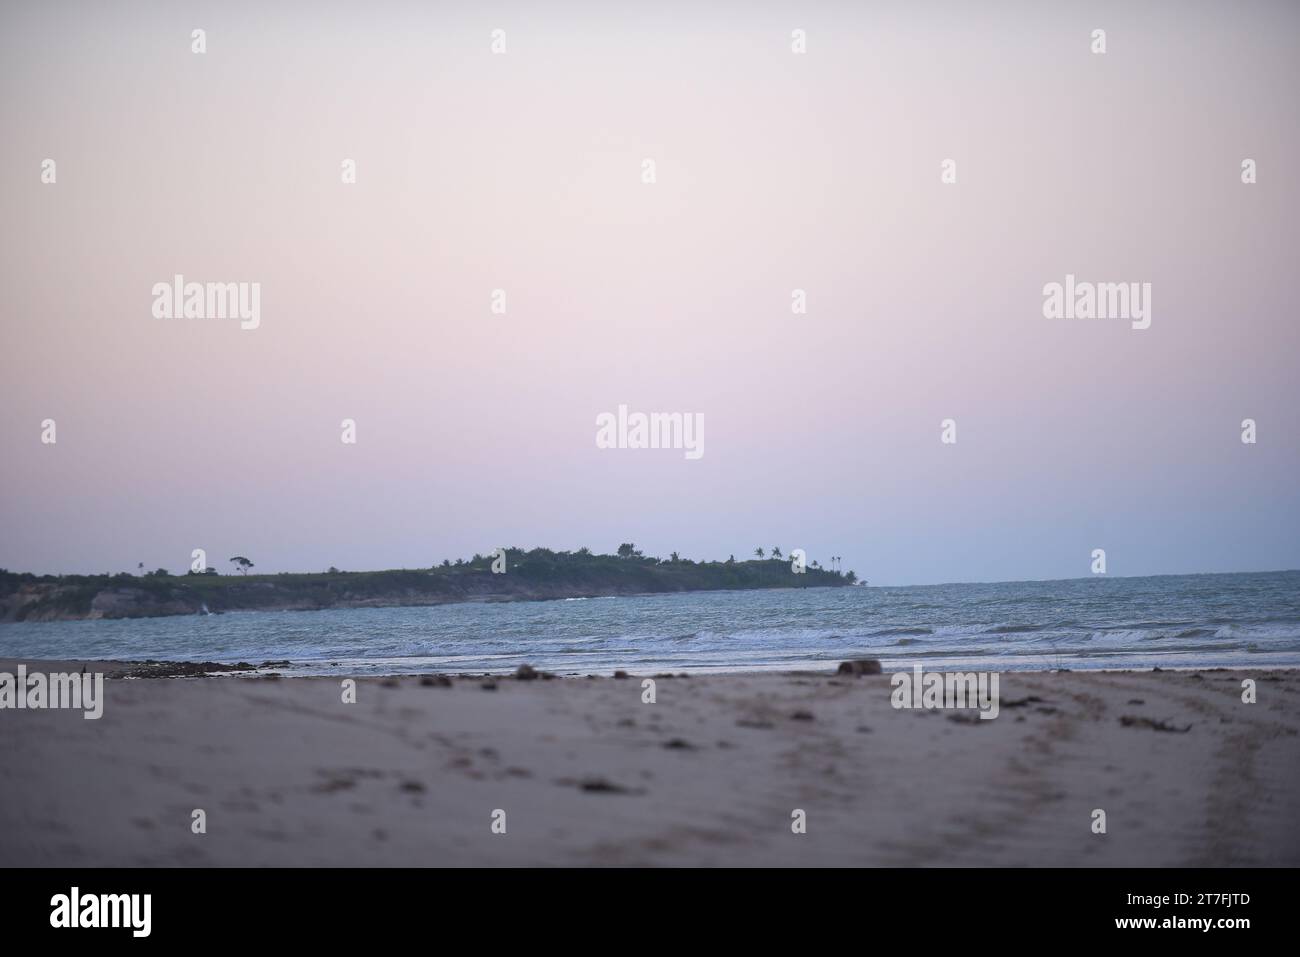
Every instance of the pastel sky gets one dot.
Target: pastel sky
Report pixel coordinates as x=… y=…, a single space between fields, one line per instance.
x=775 y=172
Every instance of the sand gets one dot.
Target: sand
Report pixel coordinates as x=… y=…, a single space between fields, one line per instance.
x=710 y=774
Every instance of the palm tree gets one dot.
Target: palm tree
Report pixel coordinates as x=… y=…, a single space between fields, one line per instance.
x=776 y=551
x=758 y=552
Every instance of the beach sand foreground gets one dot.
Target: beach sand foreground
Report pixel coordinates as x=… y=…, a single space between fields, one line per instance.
x=712 y=773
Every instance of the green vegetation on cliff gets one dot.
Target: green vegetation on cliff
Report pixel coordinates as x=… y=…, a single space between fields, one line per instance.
x=535 y=574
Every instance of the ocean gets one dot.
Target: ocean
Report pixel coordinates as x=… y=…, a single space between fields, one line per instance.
x=1171 y=621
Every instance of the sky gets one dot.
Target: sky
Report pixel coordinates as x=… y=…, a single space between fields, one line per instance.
x=525 y=171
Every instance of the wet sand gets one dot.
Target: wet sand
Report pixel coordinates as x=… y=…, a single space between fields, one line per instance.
x=712 y=773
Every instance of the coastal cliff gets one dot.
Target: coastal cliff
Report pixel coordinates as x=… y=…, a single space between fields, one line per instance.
x=535 y=575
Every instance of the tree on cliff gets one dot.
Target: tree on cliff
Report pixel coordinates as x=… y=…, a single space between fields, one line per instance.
x=243 y=563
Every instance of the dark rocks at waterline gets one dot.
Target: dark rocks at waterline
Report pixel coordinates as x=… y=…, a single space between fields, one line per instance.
x=859 y=666
x=181 y=669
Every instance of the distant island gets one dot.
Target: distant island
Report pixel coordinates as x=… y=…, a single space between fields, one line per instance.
x=511 y=574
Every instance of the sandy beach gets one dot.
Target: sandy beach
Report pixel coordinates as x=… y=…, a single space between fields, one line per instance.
x=712 y=773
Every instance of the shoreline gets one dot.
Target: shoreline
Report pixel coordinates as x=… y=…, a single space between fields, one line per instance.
x=710 y=773
x=135 y=668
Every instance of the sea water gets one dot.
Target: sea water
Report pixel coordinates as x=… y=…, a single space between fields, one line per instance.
x=1241 y=620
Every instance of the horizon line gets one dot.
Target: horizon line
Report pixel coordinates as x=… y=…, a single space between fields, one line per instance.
x=861 y=582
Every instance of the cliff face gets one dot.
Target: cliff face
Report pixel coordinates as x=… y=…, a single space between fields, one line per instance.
x=55 y=602
x=530 y=578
